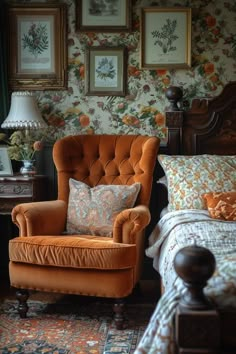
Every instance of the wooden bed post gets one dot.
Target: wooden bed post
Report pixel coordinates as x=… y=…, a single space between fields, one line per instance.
x=197 y=323
x=174 y=120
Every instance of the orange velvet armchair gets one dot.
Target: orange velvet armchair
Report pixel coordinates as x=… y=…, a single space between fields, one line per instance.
x=45 y=258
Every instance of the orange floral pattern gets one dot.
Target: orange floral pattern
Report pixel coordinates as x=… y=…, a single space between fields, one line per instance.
x=189 y=177
x=221 y=205
x=209 y=68
x=84 y=120
x=213 y=65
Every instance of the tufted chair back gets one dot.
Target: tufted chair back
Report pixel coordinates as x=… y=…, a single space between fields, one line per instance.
x=105 y=159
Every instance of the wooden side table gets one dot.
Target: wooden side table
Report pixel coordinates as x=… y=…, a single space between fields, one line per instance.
x=20 y=189
x=14 y=190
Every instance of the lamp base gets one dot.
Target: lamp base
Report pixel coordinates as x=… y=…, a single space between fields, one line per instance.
x=28 y=168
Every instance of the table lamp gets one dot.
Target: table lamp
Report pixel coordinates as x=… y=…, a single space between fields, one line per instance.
x=24 y=114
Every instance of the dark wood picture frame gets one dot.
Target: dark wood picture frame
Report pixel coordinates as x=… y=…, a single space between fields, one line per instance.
x=98 y=19
x=43 y=66
x=106 y=71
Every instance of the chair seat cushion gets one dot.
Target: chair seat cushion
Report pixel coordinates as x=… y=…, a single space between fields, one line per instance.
x=77 y=251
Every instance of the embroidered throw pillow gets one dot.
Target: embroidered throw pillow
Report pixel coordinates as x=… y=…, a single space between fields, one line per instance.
x=92 y=211
x=221 y=205
x=191 y=176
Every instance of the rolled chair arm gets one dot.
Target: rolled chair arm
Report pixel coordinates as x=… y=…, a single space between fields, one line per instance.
x=40 y=218
x=129 y=223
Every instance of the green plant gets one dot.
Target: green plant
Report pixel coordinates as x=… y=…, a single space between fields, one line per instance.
x=166 y=36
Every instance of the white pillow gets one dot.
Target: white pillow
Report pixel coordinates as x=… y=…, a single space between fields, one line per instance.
x=163 y=181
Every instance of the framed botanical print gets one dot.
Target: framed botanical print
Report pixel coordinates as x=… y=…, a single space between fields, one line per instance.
x=165 y=38
x=103 y=16
x=5 y=162
x=37 y=50
x=106 y=71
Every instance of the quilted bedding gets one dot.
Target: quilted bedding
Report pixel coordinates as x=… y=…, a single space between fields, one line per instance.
x=175 y=230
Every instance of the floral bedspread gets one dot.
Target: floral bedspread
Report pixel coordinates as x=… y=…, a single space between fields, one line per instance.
x=175 y=230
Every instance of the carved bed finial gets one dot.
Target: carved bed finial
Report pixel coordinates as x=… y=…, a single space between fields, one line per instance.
x=195 y=265
x=174 y=95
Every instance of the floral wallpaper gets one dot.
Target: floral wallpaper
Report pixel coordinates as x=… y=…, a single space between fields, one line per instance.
x=142 y=110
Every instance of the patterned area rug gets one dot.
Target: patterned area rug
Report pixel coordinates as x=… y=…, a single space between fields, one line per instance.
x=70 y=328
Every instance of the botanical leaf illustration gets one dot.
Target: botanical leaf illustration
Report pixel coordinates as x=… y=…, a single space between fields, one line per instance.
x=166 y=36
x=36 y=40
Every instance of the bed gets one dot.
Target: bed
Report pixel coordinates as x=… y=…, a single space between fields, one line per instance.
x=193 y=245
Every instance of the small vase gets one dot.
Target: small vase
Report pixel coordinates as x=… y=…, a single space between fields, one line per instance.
x=28 y=168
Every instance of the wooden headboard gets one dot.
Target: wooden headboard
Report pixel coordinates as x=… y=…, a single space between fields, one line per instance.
x=208 y=127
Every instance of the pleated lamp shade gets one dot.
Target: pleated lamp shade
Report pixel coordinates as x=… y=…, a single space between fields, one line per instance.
x=24 y=113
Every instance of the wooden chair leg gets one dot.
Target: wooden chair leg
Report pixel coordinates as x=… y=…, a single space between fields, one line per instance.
x=22 y=296
x=119 y=310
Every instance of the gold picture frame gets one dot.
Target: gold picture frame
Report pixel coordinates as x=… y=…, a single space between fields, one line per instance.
x=165 y=38
x=102 y=17
x=5 y=162
x=106 y=71
x=40 y=66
